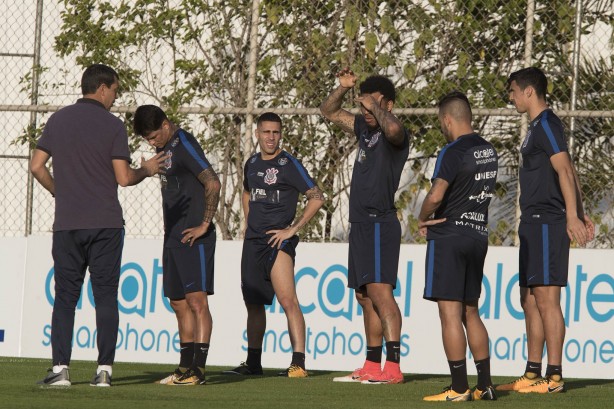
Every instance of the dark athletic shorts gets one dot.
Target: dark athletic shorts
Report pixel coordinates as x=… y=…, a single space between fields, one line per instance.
x=544 y=254
x=256 y=264
x=374 y=253
x=188 y=269
x=454 y=268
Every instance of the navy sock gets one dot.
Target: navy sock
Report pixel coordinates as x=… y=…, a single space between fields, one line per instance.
x=483 y=368
x=201 y=351
x=458 y=369
x=186 y=354
x=533 y=368
x=298 y=358
x=393 y=351
x=555 y=372
x=254 y=356
x=374 y=354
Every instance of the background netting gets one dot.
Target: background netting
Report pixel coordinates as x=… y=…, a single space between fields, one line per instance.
x=216 y=65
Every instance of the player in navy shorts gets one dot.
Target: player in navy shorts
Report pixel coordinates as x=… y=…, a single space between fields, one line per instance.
x=272 y=182
x=551 y=216
x=463 y=185
x=375 y=231
x=190 y=195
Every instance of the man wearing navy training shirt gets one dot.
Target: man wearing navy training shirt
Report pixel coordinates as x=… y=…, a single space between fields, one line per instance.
x=190 y=195
x=457 y=236
x=375 y=230
x=272 y=182
x=552 y=216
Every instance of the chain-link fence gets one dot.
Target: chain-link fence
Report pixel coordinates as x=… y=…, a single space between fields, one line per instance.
x=215 y=65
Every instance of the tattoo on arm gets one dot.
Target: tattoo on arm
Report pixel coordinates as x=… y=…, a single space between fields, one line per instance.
x=314 y=193
x=331 y=109
x=390 y=124
x=209 y=179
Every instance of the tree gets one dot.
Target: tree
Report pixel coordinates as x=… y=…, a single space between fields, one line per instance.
x=195 y=53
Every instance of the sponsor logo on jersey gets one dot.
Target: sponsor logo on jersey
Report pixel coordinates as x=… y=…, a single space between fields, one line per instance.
x=282 y=161
x=484 y=153
x=270 y=177
x=483 y=196
x=485 y=175
x=374 y=138
x=475 y=216
x=175 y=142
x=361 y=155
x=168 y=163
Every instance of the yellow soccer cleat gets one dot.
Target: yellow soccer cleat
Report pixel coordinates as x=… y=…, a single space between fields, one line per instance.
x=293 y=371
x=449 y=395
x=546 y=385
x=486 y=394
x=518 y=384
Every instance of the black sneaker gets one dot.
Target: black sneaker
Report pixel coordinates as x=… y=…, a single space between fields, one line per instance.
x=192 y=376
x=243 y=369
x=61 y=378
x=102 y=379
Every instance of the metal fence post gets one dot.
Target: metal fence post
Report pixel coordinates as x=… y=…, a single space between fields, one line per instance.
x=576 y=74
x=524 y=122
x=34 y=114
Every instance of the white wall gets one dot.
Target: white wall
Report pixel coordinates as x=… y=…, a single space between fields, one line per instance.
x=335 y=340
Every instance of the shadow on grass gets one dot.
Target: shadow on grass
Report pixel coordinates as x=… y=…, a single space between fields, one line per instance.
x=587 y=383
x=213 y=377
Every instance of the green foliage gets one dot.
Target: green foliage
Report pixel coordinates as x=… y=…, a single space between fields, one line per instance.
x=196 y=52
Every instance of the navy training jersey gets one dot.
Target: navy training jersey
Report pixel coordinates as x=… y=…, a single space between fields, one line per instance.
x=273 y=186
x=469 y=165
x=376 y=175
x=541 y=199
x=183 y=196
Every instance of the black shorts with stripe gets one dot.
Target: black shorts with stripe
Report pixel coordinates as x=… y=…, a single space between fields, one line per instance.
x=257 y=262
x=454 y=268
x=374 y=253
x=544 y=254
x=189 y=269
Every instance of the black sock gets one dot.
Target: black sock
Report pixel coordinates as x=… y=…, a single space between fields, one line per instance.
x=374 y=354
x=254 y=356
x=298 y=358
x=201 y=350
x=483 y=368
x=555 y=372
x=533 y=368
x=458 y=369
x=393 y=351
x=186 y=354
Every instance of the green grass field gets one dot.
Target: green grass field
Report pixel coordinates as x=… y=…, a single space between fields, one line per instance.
x=134 y=388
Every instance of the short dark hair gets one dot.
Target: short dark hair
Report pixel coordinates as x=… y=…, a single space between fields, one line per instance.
x=533 y=77
x=148 y=118
x=457 y=105
x=96 y=75
x=381 y=84
x=268 y=117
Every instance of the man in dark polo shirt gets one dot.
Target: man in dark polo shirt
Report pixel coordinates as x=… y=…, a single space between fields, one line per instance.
x=551 y=216
x=463 y=185
x=375 y=230
x=89 y=146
